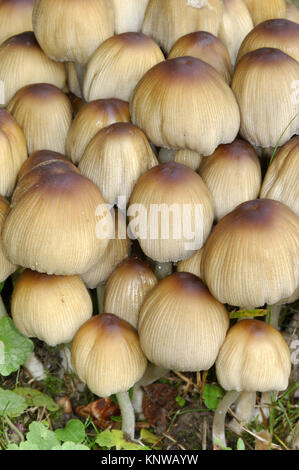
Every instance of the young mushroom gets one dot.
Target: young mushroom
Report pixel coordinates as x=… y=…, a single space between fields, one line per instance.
x=254 y=357
x=106 y=355
x=15 y=17
x=129 y=16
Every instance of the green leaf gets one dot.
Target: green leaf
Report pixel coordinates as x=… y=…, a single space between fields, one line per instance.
x=14 y=347
x=23 y=446
x=149 y=437
x=180 y=401
x=220 y=444
x=248 y=313
x=212 y=395
x=240 y=444
x=36 y=398
x=70 y=446
x=11 y=404
x=74 y=431
x=109 y=439
x=41 y=437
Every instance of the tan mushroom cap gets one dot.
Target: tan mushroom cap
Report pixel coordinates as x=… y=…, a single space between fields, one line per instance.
x=185 y=204
x=277 y=33
x=71 y=30
x=6 y=267
x=262 y=10
x=168 y=20
x=13 y=152
x=254 y=357
x=115 y=158
x=22 y=62
x=129 y=15
x=161 y=106
x=263 y=82
x=118 y=64
x=281 y=180
x=292 y=13
x=50 y=308
x=107 y=356
x=127 y=288
x=44 y=113
x=15 y=17
x=251 y=257
x=207 y=47
x=57 y=226
x=192 y=265
x=119 y=248
x=233 y=175
x=91 y=118
x=181 y=326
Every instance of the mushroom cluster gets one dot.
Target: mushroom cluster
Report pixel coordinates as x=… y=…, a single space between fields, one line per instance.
x=150 y=156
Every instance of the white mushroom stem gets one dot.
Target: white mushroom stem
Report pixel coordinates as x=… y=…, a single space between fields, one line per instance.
x=65 y=354
x=152 y=374
x=100 y=295
x=32 y=364
x=273 y=315
x=244 y=411
x=163 y=269
x=219 y=440
x=127 y=413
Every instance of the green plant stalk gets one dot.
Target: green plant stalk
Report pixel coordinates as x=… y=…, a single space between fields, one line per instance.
x=127 y=413
x=219 y=418
x=100 y=296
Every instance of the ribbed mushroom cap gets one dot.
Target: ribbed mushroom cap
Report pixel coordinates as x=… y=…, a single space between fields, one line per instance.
x=118 y=64
x=207 y=47
x=71 y=30
x=59 y=224
x=127 y=287
x=91 y=118
x=281 y=180
x=263 y=82
x=168 y=20
x=262 y=10
x=186 y=157
x=292 y=13
x=251 y=257
x=233 y=175
x=181 y=326
x=118 y=249
x=15 y=17
x=279 y=33
x=13 y=152
x=107 y=356
x=192 y=265
x=235 y=25
x=6 y=267
x=171 y=212
x=115 y=158
x=22 y=62
x=50 y=308
x=161 y=106
x=254 y=357
x=44 y=113
x=129 y=15
x=73 y=82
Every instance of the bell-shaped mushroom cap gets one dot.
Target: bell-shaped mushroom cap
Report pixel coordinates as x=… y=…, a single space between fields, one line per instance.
x=118 y=64
x=115 y=158
x=263 y=83
x=73 y=82
x=186 y=157
x=127 y=288
x=129 y=15
x=107 y=356
x=118 y=249
x=91 y=118
x=292 y=13
x=207 y=47
x=59 y=224
x=15 y=17
x=192 y=265
x=279 y=33
x=6 y=267
x=44 y=113
x=233 y=175
x=71 y=30
x=236 y=23
x=262 y=10
x=168 y=20
x=171 y=212
x=281 y=180
x=22 y=62
x=161 y=106
x=252 y=256
x=13 y=152
x=254 y=357
x=181 y=326
x=50 y=308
